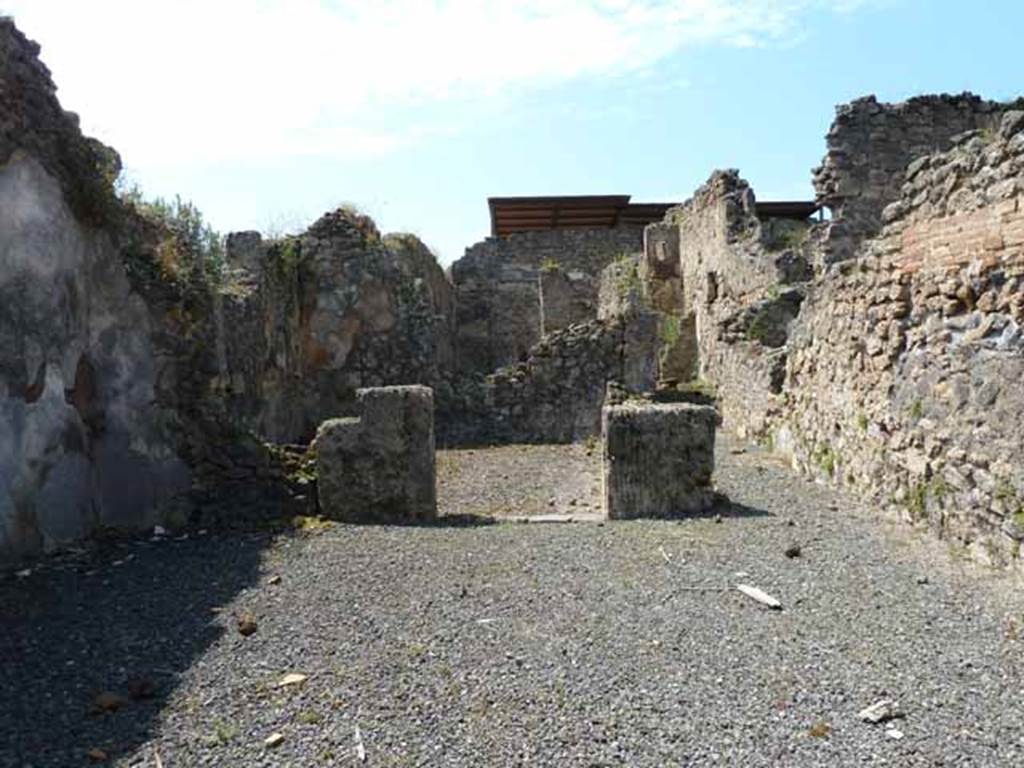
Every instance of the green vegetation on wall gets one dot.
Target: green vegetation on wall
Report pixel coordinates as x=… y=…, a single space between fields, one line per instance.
x=670 y=330
x=195 y=250
x=629 y=275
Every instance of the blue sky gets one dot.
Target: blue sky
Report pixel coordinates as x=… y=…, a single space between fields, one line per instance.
x=267 y=113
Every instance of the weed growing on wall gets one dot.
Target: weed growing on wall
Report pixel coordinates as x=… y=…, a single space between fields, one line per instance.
x=629 y=276
x=825 y=458
x=194 y=251
x=670 y=330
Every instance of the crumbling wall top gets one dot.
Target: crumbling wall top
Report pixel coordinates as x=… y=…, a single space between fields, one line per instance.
x=869 y=147
x=32 y=120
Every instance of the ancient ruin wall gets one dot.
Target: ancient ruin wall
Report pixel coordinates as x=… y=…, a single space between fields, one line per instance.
x=905 y=377
x=131 y=380
x=870 y=147
x=737 y=292
x=309 y=320
x=896 y=371
x=498 y=286
x=86 y=438
x=556 y=393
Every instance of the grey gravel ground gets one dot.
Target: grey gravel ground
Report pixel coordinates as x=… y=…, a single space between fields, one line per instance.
x=511 y=644
x=520 y=480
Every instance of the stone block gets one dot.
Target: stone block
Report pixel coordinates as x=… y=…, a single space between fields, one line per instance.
x=379 y=467
x=658 y=459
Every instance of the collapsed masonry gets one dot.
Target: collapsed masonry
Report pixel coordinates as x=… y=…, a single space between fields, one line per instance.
x=882 y=348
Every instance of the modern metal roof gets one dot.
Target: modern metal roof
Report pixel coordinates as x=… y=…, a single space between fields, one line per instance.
x=788 y=209
x=526 y=214
x=522 y=214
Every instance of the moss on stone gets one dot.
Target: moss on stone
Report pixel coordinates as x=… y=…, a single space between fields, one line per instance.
x=916 y=501
x=670 y=330
x=825 y=457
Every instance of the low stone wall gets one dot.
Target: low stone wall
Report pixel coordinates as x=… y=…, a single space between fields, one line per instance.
x=658 y=459
x=379 y=467
x=499 y=281
x=555 y=395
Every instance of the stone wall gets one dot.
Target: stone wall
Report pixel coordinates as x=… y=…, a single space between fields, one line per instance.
x=379 y=467
x=870 y=147
x=905 y=377
x=309 y=320
x=733 y=295
x=896 y=370
x=556 y=393
x=88 y=434
x=133 y=381
x=498 y=287
x=658 y=459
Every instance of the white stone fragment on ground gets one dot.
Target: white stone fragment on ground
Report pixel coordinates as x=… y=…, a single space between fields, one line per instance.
x=880 y=711
x=293 y=678
x=760 y=596
x=360 y=749
x=894 y=733
x=273 y=740
x=548 y=519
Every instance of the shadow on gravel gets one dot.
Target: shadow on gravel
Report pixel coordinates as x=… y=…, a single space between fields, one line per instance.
x=725 y=508
x=127 y=623
x=462 y=521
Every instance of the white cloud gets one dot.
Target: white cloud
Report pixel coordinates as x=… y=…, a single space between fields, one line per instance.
x=209 y=81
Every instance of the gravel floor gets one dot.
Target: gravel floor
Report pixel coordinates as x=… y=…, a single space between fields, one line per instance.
x=513 y=644
x=520 y=480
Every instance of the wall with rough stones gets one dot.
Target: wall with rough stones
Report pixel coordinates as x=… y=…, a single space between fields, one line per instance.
x=556 y=393
x=896 y=370
x=135 y=387
x=658 y=459
x=733 y=295
x=308 y=320
x=870 y=146
x=498 y=284
x=905 y=377
x=379 y=467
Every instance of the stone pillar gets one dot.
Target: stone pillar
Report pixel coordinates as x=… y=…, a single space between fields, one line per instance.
x=379 y=467
x=658 y=459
